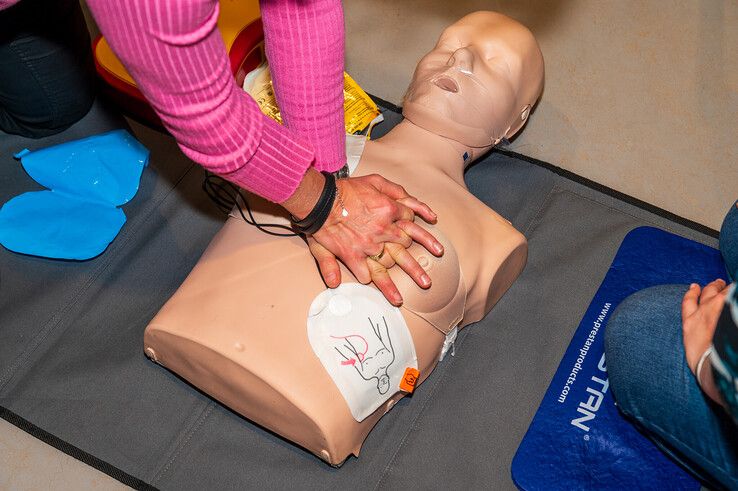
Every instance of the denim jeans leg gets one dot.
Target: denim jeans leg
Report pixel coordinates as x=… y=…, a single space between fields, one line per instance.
x=729 y=241
x=653 y=386
x=47 y=74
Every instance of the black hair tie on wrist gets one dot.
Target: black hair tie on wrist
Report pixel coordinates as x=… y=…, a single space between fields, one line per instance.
x=322 y=209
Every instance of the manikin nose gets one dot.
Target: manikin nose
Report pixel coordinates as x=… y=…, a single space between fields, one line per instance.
x=463 y=59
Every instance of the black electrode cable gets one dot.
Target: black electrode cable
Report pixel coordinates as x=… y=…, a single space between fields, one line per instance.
x=226 y=196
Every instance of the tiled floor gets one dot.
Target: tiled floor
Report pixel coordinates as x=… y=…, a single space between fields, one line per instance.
x=28 y=464
x=639 y=97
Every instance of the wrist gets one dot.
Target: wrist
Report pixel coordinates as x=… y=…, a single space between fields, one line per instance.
x=705 y=377
x=321 y=210
x=339 y=206
x=701 y=363
x=303 y=200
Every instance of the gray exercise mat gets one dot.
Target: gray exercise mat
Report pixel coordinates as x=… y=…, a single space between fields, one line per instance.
x=71 y=360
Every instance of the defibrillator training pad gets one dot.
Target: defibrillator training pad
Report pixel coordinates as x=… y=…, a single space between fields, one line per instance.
x=363 y=342
x=78 y=216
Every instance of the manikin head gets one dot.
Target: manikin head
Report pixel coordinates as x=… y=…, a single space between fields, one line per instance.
x=478 y=84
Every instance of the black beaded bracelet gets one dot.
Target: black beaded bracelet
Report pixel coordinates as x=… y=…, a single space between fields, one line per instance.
x=322 y=209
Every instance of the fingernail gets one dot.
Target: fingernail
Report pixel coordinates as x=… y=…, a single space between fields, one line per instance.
x=438 y=248
x=425 y=280
x=693 y=285
x=397 y=301
x=330 y=278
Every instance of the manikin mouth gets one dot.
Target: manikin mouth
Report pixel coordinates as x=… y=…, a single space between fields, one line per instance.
x=446 y=83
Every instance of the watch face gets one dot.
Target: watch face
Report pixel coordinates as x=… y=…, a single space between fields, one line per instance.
x=342 y=173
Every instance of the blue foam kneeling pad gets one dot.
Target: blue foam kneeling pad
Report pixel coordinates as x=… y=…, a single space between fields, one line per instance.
x=578 y=439
x=78 y=216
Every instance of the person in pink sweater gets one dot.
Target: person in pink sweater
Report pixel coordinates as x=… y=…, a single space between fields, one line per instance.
x=175 y=54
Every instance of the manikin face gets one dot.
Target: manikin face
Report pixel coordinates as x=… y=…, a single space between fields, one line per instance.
x=477 y=85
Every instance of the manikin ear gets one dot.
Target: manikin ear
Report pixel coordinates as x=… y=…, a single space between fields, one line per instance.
x=519 y=122
x=524 y=113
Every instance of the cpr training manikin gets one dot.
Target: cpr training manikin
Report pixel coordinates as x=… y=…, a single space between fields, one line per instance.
x=255 y=327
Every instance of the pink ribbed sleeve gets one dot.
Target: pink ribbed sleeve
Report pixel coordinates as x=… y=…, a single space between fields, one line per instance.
x=305 y=48
x=177 y=57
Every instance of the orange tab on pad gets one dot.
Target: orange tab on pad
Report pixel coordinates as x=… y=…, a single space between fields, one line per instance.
x=409 y=379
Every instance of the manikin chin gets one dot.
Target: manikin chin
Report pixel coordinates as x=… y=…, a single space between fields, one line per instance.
x=255 y=327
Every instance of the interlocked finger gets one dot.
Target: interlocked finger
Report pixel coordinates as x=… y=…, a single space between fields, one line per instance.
x=387 y=261
x=421 y=236
x=394 y=233
x=359 y=267
x=419 y=208
x=399 y=236
x=409 y=264
x=379 y=255
x=382 y=280
x=404 y=213
x=327 y=263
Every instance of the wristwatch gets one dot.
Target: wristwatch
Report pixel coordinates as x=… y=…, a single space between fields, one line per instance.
x=342 y=173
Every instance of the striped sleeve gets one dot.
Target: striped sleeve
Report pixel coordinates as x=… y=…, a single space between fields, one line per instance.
x=174 y=52
x=305 y=47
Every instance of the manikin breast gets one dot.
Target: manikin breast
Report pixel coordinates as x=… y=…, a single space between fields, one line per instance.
x=442 y=305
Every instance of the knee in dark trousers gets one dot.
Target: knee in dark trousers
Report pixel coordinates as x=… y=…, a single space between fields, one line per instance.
x=47 y=74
